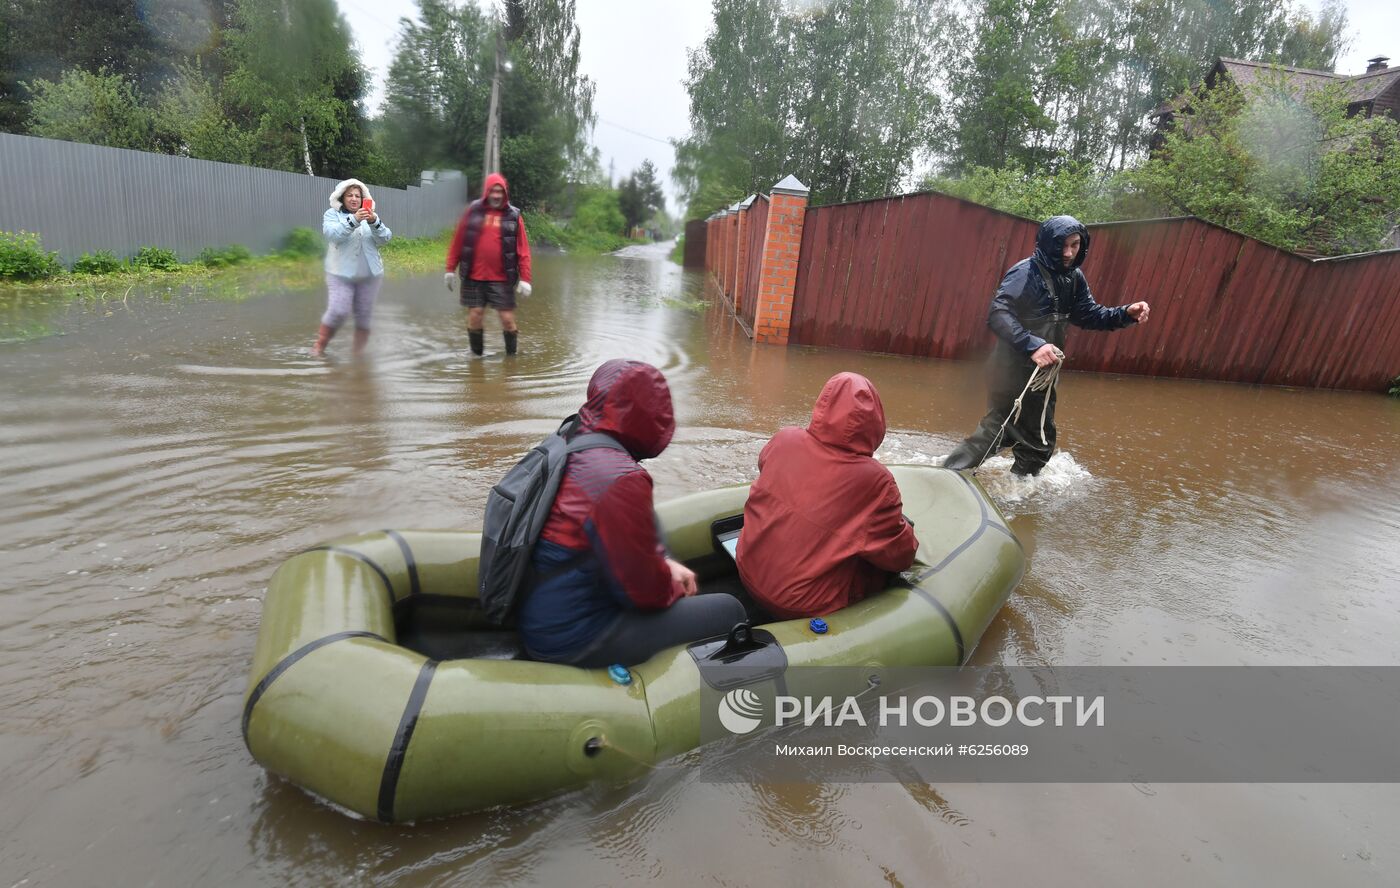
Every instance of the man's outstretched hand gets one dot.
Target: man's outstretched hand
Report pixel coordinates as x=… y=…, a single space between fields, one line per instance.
x=1138 y=312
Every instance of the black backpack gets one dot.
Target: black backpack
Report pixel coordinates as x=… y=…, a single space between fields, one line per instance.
x=516 y=511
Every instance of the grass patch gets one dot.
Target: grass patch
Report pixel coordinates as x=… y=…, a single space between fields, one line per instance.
x=416 y=255
x=544 y=229
x=694 y=306
x=678 y=251
x=154 y=266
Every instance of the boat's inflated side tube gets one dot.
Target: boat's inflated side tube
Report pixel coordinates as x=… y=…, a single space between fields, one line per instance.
x=336 y=706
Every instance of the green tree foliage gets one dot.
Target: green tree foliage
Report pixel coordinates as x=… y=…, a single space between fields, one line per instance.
x=137 y=40
x=191 y=121
x=1077 y=189
x=436 y=95
x=273 y=83
x=843 y=94
x=12 y=110
x=1038 y=83
x=295 y=84
x=439 y=88
x=1287 y=167
x=640 y=196
x=598 y=210
x=100 y=109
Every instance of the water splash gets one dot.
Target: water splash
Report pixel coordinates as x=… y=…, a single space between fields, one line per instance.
x=1061 y=478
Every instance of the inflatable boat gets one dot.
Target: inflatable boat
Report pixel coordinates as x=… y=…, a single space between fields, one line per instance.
x=378 y=685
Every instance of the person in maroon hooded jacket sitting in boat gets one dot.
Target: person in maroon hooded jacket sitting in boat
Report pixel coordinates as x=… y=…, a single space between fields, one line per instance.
x=824 y=523
x=608 y=593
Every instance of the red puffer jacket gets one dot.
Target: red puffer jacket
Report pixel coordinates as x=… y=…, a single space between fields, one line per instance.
x=824 y=522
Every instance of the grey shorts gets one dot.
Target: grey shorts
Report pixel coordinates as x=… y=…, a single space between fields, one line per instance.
x=488 y=294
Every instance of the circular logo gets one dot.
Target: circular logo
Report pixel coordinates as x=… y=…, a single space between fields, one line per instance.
x=740 y=711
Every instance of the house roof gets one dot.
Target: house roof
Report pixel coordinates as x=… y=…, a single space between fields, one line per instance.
x=1358 y=87
x=1366 y=87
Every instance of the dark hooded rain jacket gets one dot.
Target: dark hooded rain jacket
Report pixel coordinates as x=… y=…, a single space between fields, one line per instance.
x=1038 y=298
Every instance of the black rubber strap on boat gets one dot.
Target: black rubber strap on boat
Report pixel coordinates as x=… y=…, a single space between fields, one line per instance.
x=389 y=784
x=359 y=556
x=288 y=662
x=952 y=624
x=413 y=587
x=938 y=606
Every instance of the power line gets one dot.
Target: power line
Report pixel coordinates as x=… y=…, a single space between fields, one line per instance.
x=634 y=132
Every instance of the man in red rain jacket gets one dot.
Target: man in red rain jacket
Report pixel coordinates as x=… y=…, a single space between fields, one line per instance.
x=824 y=523
x=605 y=591
x=490 y=254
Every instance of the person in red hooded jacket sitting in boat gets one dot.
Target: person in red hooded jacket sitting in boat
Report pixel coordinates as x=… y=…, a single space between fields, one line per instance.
x=605 y=591
x=824 y=523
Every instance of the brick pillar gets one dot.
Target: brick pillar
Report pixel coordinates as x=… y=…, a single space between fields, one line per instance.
x=777 y=278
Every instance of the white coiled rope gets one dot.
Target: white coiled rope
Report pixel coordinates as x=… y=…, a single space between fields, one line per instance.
x=1042 y=379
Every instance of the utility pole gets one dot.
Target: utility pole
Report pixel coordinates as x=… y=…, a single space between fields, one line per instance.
x=491 y=163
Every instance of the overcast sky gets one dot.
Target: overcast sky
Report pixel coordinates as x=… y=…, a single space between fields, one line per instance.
x=636 y=52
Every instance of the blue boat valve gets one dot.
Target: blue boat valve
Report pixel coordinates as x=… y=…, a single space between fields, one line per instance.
x=817 y=625
x=619 y=673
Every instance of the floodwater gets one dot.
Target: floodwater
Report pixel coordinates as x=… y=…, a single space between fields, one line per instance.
x=162 y=456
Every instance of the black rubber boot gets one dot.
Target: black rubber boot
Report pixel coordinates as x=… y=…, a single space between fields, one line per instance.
x=511 y=337
x=478 y=340
x=961 y=458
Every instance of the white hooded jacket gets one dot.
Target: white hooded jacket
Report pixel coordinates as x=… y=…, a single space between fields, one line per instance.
x=352 y=247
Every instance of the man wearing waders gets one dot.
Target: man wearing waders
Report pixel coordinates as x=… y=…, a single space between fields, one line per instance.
x=490 y=255
x=1036 y=300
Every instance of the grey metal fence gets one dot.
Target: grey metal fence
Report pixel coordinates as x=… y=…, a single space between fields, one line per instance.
x=83 y=198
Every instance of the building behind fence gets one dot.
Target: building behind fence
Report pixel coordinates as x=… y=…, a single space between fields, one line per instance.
x=83 y=198
x=914 y=275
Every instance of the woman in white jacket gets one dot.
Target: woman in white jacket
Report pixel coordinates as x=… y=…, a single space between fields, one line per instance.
x=354 y=270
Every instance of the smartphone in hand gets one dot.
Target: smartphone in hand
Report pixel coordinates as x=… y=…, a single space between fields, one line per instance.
x=368 y=204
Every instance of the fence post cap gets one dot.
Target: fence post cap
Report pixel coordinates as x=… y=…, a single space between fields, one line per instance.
x=747 y=202
x=790 y=185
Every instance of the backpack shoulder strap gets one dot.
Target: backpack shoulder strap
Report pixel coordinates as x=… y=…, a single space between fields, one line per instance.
x=590 y=440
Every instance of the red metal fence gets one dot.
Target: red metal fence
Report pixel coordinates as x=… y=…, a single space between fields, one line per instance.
x=914 y=275
x=694 y=254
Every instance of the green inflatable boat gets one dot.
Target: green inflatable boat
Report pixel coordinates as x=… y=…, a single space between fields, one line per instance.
x=378 y=685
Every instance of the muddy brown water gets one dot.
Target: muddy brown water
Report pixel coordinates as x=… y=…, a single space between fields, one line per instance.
x=161 y=457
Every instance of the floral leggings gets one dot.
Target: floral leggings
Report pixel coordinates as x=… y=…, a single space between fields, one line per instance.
x=347 y=295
